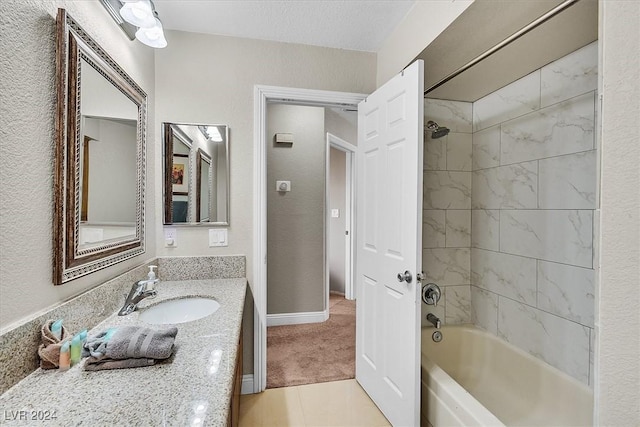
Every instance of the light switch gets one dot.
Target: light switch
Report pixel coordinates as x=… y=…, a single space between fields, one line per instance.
x=218 y=237
x=335 y=213
x=170 y=238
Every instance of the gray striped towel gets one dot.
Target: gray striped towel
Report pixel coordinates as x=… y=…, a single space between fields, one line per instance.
x=130 y=346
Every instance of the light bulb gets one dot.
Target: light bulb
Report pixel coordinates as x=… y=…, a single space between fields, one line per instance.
x=214 y=133
x=138 y=13
x=153 y=36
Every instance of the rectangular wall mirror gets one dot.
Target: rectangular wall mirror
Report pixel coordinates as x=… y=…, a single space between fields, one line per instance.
x=196 y=174
x=100 y=157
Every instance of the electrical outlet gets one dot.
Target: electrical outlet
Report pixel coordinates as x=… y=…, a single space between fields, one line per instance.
x=170 y=237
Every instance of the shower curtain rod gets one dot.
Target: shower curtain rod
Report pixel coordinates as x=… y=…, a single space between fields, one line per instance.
x=513 y=37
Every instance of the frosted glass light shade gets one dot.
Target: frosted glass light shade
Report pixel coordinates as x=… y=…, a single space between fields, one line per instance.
x=153 y=36
x=138 y=13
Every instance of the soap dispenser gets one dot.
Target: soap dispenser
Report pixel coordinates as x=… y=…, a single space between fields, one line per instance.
x=151 y=278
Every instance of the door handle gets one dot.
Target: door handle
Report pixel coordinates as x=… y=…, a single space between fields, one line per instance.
x=405 y=277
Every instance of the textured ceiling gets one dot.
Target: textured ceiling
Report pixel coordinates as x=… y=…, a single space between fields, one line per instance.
x=347 y=24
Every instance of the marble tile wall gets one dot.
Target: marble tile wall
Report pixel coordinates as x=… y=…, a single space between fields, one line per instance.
x=532 y=213
x=446 y=232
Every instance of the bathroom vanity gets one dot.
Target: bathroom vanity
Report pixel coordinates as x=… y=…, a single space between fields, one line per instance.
x=198 y=385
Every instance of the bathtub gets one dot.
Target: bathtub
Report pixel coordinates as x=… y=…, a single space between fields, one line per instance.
x=472 y=378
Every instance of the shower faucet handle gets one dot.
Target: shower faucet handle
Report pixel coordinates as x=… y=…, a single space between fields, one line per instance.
x=431 y=294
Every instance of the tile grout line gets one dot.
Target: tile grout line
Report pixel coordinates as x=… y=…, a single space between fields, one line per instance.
x=304 y=415
x=534 y=111
x=534 y=160
x=499 y=231
x=536 y=308
x=532 y=258
x=538 y=183
x=537 y=288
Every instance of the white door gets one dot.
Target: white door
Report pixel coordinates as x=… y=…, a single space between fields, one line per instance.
x=389 y=238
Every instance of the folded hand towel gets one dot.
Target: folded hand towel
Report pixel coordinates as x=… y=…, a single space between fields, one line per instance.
x=94 y=364
x=133 y=346
x=49 y=350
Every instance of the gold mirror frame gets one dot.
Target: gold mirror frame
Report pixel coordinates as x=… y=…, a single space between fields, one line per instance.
x=71 y=261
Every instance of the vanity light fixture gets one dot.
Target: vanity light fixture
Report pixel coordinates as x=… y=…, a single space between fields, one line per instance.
x=138 y=19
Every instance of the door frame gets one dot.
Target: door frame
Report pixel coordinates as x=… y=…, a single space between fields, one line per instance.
x=262 y=95
x=350 y=206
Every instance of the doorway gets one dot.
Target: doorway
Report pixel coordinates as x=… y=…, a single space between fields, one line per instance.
x=340 y=216
x=263 y=96
x=310 y=331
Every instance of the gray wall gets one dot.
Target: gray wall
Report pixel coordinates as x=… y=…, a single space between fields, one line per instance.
x=295 y=219
x=27 y=87
x=112 y=172
x=218 y=88
x=337 y=226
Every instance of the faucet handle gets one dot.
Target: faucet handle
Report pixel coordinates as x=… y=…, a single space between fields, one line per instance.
x=431 y=294
x=147 y=286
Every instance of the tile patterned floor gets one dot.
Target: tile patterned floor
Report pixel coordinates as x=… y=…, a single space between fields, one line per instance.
x=338 y=403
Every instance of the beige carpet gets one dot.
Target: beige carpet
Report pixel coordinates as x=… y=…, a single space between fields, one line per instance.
x=315 y=352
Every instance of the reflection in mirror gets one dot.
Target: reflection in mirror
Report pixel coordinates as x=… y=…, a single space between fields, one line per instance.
x=196 y=182
x=107 y=161
x=203 y=187
x=99 y=167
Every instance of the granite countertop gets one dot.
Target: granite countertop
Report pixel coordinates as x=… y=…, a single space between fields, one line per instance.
x=193 y=387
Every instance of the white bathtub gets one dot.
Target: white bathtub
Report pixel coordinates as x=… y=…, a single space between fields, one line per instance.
x=472 y=378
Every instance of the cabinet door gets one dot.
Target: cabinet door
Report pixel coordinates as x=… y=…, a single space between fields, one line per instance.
x=234 y=413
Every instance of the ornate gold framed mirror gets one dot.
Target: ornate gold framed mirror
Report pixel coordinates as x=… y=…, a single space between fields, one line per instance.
x=99 y=157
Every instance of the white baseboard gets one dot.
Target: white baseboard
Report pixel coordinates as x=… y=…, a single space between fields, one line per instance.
x=297 y=318
x=247 y=384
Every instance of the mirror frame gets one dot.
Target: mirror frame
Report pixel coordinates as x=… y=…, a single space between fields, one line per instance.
x=73 y=44
x=201 y=156
x=170 y=130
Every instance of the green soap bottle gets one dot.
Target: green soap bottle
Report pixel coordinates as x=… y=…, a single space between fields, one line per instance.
x=76 y=349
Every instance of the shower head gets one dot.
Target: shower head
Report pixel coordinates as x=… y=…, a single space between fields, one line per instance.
x=436 y=130
x=439 y=133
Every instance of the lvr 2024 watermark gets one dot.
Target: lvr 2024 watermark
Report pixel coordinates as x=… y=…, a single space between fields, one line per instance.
x=30 y=415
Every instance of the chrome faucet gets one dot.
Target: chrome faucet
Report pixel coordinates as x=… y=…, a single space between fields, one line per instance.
x=434 y=320
x=431 y=294
x=139 y=291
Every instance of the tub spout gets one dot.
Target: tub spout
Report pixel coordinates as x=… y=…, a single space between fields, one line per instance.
x=434 y=320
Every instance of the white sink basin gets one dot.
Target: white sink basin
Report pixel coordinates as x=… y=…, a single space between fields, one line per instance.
x=179 y=310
